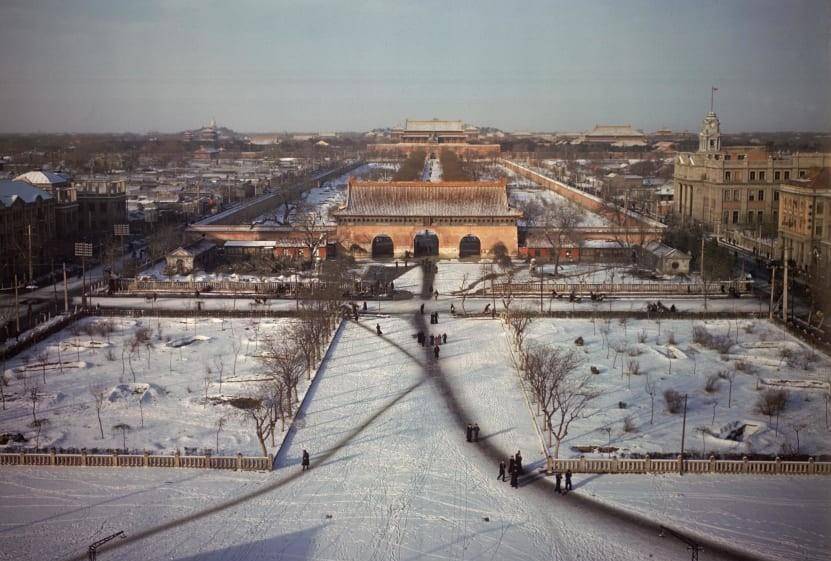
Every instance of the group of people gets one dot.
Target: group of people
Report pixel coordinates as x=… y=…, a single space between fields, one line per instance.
x=421 y=338
x=514 y=469
x=558 y=479
x=472 y=432
x=434 y=318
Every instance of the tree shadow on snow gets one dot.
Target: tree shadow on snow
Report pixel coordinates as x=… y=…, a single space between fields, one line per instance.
x=293 y=545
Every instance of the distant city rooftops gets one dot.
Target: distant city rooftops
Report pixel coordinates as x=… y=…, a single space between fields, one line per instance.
x=43 y=178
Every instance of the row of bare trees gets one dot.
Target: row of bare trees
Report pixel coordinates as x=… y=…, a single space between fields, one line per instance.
x=290 y=356
x=561 y=390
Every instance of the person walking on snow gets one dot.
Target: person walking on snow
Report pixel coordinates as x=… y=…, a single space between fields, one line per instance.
x=432 y=339
x=518 y=459
x=364 y=306
x=305 y=461
x=378 y=329
x=436 y=294
x=452 y=309
x=501 y=470
x=514 y=479
x=568 y=480
x=422 y=309
x=469 y=432
x=436 y=351
x=558 y=477
x=475 y=432
x=511 y=465
x=444 y=338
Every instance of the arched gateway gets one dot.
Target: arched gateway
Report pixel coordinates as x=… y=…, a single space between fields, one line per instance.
x=382 y=246
x=470 y=246
x=425 y=244
x=423 y=218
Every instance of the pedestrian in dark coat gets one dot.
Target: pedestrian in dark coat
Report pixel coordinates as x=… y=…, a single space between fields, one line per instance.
x=364 y=306
x=469 y=432
x=436 y=294
x=452 y=309
x=514 y=479
x=511 y=465
x=444 y=338
x=487 y=307
x=518 y=459
x=437 y=318
x=475 y=432
x=432 y=339
x=558 y=477
x=568 y=480
x=501 y=470
x=378 y=329
x=305 y=461
x=436 y=351
x=422 y=309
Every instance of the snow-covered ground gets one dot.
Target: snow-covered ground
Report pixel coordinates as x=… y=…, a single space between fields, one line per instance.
x=393 y=478
x=169 y=384
x=759 y=355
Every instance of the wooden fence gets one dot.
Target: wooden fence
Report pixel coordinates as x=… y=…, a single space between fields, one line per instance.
x=677 y=465
x=82 y=459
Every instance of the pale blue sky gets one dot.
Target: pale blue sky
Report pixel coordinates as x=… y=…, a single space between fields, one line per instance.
x=139 y=65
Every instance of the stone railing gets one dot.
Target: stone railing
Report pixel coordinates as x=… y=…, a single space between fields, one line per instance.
x=677 y=465
x=645 y=288
x=177 y=460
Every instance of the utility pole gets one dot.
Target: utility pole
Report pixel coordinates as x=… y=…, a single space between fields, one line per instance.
x=65 y=291
x=772 y=290
x=703 y=280
x=683 y=434
x=785 y=287
x=31 y=276
x=54 y=286
x=16 y=306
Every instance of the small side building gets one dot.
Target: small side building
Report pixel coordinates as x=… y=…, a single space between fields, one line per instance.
x=664 y=259
x=184 y=259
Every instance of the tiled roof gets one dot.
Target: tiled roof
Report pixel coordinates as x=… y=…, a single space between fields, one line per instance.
x=422 y=198
x=10 y=191
x=42 y=178
x=433 y=125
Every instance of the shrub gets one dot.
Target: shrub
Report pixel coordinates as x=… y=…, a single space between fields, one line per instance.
x=633 y=350
x=772 y=402
x=671 y=338
x=711 y=384
x=744 y=366
x=634 y=367
x=720 y=343
x=674 y=401
x=642 y=336
x=629 y=424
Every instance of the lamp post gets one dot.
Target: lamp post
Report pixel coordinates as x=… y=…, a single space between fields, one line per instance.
x=83 y=250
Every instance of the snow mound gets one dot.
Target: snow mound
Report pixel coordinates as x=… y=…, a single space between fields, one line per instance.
x=146 y=393
x=185 y=341
x=796 y=384
x=73 y=344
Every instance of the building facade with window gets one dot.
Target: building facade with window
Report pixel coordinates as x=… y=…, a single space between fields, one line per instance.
x=736 y=188
x=805 y=223
x=27 y=231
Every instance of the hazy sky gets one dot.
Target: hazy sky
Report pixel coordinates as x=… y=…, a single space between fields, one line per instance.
x=139 y=65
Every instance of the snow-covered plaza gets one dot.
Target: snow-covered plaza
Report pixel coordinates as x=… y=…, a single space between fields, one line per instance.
x=392 y=475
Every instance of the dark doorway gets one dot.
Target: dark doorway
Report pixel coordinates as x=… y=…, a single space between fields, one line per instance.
x=425 y=244
x=382 y=247
x=470 y=246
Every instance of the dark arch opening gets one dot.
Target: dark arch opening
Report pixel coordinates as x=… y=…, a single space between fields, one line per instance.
x=470 y=246
x=425 y=244
x=382 y=246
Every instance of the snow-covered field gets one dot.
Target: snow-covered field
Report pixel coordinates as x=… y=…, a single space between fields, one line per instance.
x=759 y=356
x=163 y=382
x=393 y=478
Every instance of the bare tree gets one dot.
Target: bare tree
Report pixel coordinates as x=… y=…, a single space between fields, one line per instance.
x=284 y=363
x=731 y=377
x=463 y=286
x=43 y=358
x=123 y=427
x=220 y=424
x=219 y=366
x=98 y=394
x=207 y=382
x=236 y=346
x=562 y=392
x=796 y=428
x=34 y=398
x=559 y=224
x=309 y=220
x=651 y=389
x=258 y=409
